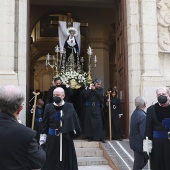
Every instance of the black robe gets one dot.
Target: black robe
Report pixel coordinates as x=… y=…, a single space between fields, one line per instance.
x=160 y=146
x=52 y=146
x=93 y=125
x=38 y=121
x=115 y=122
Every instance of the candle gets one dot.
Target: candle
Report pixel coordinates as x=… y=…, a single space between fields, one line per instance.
x=89 y=49
x=95 y=59
x=48 y=57
x=56 y=49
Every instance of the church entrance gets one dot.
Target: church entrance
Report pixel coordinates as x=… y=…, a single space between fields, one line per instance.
x=102 y=28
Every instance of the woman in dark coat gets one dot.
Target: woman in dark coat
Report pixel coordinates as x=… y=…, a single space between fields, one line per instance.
x=115 y=115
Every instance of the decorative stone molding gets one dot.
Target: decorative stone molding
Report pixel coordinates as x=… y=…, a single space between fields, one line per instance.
x=163 y=18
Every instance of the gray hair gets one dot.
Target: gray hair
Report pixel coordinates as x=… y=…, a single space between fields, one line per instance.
x=163 y=88
x=140 y=102
x=11 y=98
x=97 y=81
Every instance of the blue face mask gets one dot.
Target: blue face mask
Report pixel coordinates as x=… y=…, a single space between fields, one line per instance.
x=162 y=99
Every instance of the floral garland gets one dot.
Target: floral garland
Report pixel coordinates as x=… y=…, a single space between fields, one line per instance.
x=68 y=76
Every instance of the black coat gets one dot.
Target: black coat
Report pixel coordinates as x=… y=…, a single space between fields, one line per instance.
x=52 y=147
x=115 y=122
x=161 y=146
x=18 y=147
x=93 y=124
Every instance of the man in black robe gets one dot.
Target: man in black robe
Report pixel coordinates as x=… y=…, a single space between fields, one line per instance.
x=93 y=125
x=58 y=83
x=158 y=130
x=51 y=130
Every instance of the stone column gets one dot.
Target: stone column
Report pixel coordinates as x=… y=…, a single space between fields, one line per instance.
x=151 y=77
x=13 y=45
x=134 y=64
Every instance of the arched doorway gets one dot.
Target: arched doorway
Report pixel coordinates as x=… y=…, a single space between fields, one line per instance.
x=112 y=66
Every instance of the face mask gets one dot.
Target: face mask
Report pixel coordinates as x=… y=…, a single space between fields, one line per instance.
x=162 y=99
x=57 y=99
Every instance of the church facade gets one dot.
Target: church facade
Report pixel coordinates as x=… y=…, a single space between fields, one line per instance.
x=131 y=39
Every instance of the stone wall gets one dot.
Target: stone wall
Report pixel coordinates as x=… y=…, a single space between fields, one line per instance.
x=13 y=24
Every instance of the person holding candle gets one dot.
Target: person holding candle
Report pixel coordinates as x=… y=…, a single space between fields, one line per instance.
x=51 y=130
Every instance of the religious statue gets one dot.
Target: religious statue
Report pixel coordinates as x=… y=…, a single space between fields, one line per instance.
x=71 y=46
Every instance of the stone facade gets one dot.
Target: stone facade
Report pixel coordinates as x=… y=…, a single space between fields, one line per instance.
x=13 y=46
x=148 y=28
x=147 y=49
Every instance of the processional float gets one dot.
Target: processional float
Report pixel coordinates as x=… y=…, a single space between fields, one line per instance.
x=69 y=71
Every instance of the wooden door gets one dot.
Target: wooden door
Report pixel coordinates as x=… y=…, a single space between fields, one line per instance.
x=122 y=62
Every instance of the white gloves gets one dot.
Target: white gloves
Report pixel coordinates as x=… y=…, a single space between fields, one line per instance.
x=120 y=115
x=43 y=138
x=147 y=145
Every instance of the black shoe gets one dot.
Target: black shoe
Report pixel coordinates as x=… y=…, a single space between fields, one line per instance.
x=120 y=139
x=102 y=140
x=89 y=139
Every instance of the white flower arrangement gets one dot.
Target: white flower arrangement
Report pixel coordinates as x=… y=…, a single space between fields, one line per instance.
x=68 y=76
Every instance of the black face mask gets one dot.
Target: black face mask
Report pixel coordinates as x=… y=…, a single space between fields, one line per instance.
x=162 y=99
x=57 y=99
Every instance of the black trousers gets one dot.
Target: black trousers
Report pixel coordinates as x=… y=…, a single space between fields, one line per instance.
x=139 y=160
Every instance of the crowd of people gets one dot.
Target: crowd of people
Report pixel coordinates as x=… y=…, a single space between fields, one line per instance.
x=57 y=125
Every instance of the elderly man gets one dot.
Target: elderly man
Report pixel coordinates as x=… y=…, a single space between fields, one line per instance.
x=18 y=146
x=51 y=130
x=158 y=130
x=137 y=129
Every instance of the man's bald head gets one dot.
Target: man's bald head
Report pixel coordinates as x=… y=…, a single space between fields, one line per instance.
x=59 y=92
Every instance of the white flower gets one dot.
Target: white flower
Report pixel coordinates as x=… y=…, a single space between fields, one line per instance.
x=80 y=78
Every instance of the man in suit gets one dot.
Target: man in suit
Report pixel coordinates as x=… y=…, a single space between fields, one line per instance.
x=18 y=146
x=137 y=130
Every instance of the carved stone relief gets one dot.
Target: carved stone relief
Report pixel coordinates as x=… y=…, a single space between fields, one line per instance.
x=163 y=18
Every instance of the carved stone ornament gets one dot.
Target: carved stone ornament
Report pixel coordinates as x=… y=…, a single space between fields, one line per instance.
x=163 y=18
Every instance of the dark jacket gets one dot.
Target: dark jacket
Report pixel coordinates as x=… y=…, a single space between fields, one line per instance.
x=18 y=147
x=137 y=130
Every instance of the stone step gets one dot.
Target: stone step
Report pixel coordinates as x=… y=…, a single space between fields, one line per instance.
x=86 y=144
x=89 y=152
x=88 y=161
x=100 y=167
